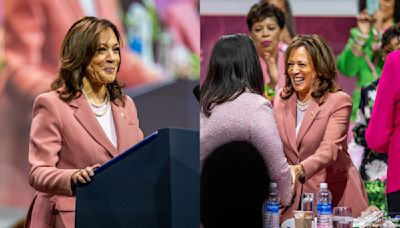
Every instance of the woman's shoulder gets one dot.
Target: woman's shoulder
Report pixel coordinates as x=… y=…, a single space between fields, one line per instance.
x=252 y=100
x=393 y=57
x=339 y=96
x=338 y=99
x=241 y=107
x=50 y=96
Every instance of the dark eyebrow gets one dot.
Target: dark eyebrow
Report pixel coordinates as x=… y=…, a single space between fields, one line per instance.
x=105 y=44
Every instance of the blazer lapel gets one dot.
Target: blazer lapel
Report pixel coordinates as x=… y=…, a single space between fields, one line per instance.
x=308 y=119
x=289 y=121
x=87 y=119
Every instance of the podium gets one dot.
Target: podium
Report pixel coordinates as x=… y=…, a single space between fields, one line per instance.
x=156 y=183
x=166 y=104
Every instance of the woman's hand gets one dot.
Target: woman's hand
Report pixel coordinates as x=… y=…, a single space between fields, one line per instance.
x=294 y=177
x=272 y=69
x=84 y=175
x=297 y=172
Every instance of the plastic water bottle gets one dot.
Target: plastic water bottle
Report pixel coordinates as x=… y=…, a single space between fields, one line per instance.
x=324 y=207
x=271 y=208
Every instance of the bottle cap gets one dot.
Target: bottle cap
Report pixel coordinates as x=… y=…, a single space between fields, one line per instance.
x=323 y=185
x=273 y=185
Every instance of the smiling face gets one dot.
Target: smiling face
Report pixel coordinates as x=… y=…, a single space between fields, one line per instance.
x=301 y=72
x=103 y=67
x=265 y=35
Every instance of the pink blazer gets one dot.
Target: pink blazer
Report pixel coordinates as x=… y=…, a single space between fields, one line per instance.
x=65 y=138
x=34 y=31
x=321 y=147
x=383 y=132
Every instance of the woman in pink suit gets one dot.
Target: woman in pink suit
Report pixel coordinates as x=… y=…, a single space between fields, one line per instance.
x=383 y=132
x=33 y=33
x=83 y=122
x=312 y=115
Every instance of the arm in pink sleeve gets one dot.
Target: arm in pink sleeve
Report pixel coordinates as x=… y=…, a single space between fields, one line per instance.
x=44 y=146
x=334 y=136
x=265 y=136
x=379 y=130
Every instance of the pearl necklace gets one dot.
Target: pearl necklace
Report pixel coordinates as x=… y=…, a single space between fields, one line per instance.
x=99 y=109
x=302 y=106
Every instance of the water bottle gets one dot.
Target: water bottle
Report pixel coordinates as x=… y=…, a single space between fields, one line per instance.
x=271 y=208
x=324 y=207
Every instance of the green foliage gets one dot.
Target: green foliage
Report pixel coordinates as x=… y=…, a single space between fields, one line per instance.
x=376 y=193
x=195 y=69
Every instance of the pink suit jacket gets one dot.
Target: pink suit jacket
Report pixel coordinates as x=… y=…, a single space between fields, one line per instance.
x=65 y=138
x=321 y=147
x=383 y=132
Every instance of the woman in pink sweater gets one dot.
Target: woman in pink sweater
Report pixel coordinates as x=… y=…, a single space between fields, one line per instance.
x=233 y=109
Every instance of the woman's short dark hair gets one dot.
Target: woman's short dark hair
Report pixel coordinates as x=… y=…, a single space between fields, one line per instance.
x=233 y=68
x=77 y=50
x=259 y=12
x=390 y=33
x=323 y=62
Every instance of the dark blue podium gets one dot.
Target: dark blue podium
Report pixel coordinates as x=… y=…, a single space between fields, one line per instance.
x=156 y=184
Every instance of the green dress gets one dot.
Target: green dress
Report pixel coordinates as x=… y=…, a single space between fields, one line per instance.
x=361 y=66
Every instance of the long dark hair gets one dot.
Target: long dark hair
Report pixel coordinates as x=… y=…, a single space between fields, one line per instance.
x=77 y=50
x=323 y=62
x=233 y=68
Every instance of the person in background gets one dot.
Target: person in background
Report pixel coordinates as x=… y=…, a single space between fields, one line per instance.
x=373 y=167
x=34 y=31
x=312 y=115
x=362 y=57
x=233 y=108
x=382 y=134
x=289 y=31
x=81 y=123
x=266 y=23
